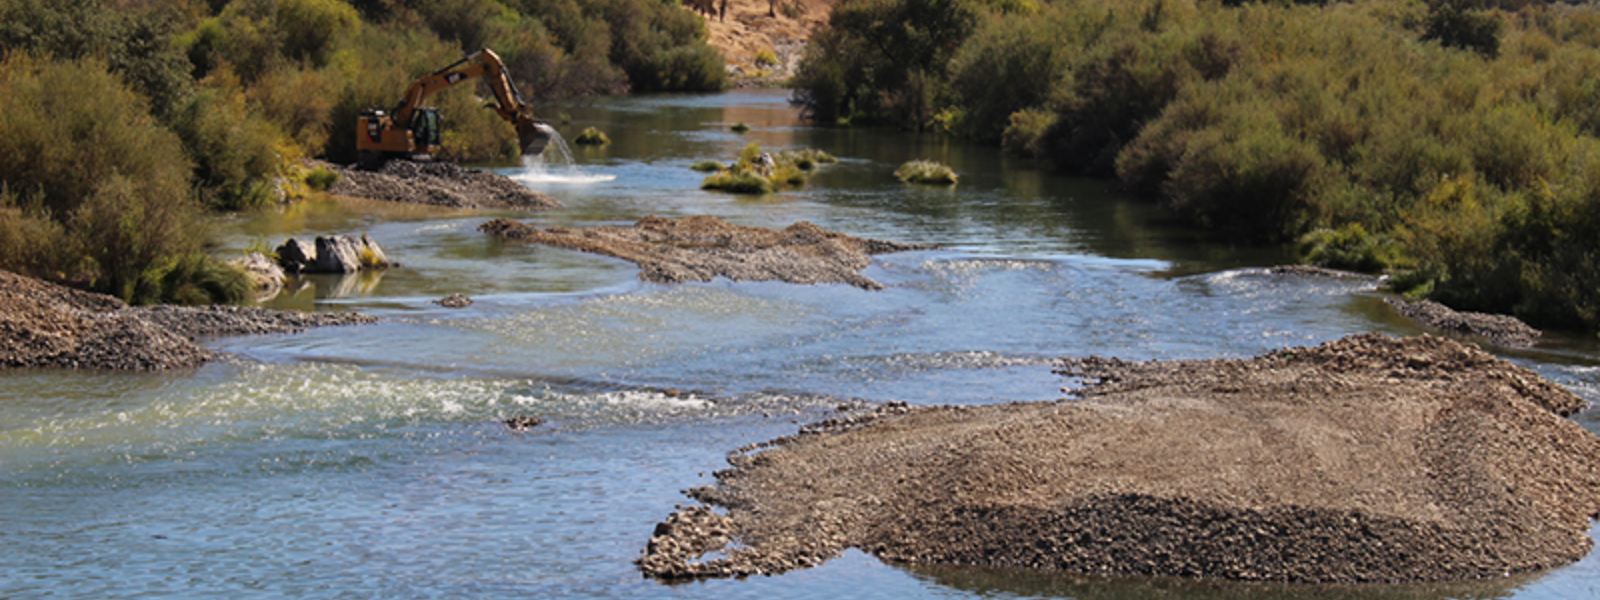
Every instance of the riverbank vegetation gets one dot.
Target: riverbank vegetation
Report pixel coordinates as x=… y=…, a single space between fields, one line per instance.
x=1452 y=142
x=123 y=122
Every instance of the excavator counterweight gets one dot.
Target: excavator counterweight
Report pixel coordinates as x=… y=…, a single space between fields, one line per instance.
x=410 y=130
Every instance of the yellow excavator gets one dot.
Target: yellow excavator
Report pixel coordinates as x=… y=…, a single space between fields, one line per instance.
x=411 y=130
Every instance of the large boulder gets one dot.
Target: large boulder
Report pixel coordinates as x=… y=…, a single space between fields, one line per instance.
x=296 y=256
x=331 y=254
x=338 y=254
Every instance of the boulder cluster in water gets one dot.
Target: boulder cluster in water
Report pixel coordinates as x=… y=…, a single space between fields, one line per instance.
x=331 y=254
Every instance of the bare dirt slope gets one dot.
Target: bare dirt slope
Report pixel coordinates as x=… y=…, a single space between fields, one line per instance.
x=1364 y=459
x=47 y=325
x=750 y=26
x=702 y=248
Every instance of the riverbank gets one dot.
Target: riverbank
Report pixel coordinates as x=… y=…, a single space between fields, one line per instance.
x=47 y=325
x=1366 y=459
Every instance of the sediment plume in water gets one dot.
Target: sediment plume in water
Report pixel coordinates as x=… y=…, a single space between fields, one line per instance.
x=555 y=165
x=702 y=248
x=1365 y=459
x=47 y=325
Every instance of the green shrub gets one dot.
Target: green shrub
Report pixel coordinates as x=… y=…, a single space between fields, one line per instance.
x=1009 y=65
x=926 y=172
x=1453 y=23
x=312 y=28
x=707 y=166
x=322 y=178
x=193 y=279
x=232 y=149
x=299 y=103
x=738 y=183
x=132 y=39
x=79 y=149
x=591 y=137
x=1350 y=248
x=883 y=60
x=766 y=58
x=788 y=176
x=805 y=159
x=689 y=68
x=1025 y=131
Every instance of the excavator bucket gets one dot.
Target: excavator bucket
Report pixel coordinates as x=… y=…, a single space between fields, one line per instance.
x=534 y=136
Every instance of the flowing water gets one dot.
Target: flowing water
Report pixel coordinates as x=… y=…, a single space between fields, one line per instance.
x=368 y=462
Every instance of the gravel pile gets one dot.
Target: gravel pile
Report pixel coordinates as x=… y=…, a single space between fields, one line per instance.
x=1366 y=459
x=439 y=184
x=1499 y=329
x=702 y=248
x=47 y=325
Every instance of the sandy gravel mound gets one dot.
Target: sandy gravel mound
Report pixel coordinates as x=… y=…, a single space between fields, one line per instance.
x=47 y=325
x=439 y=184
x=1366 y=459
x=1499 y=329
x=702 y=248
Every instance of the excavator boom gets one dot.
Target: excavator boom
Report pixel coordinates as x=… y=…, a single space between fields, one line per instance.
x=410 y=129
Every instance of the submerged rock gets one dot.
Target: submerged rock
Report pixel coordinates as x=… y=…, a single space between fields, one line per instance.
x=1366 y=459
x=454 y=301
x=522 y=422
x=702 y=248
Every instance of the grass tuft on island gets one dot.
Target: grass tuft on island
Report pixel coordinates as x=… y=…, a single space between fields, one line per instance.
x=926 y=172
x=591 y=137
x=757 y=172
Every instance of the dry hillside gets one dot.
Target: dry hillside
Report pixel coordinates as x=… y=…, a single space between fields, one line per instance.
x=750 y=26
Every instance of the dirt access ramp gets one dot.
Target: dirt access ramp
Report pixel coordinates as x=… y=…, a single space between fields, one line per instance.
x=702 y=248
x=1366 y=459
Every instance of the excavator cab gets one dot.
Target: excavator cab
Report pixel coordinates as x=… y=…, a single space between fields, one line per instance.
x=411 y=130
x=425 y=128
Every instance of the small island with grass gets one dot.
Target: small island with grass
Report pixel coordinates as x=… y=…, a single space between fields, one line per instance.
x=757 y=172
x=926 y=172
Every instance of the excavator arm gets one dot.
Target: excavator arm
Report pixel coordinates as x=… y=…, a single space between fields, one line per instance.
x=392 y=134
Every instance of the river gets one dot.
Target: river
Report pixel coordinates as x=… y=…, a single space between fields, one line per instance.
x=369 y=462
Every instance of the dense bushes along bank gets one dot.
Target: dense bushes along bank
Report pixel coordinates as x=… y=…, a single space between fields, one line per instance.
x=122 y=121
x=1449 y=141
